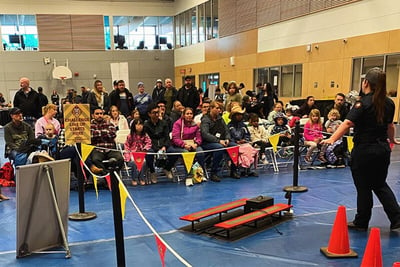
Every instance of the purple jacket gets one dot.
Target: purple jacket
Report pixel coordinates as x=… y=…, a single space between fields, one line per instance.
x=190 y=131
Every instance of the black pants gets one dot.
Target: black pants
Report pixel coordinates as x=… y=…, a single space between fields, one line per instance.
x=370 y=163
x=98 y=157
x=262 y=144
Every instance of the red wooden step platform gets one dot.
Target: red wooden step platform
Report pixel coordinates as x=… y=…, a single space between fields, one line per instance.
x=224 y=208
x=252 y=217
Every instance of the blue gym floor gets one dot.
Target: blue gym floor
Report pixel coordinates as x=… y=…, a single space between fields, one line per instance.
x=294 y=242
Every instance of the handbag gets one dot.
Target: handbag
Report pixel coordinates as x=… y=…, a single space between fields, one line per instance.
x=189 y=142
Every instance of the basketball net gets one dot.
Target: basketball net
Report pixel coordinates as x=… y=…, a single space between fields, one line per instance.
x=63 y=80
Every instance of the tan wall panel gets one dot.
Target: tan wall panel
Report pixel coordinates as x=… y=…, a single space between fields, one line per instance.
x=211 y=50
x=394 y=41
x=346 y=77
x=246 y=43
x=270 y=58
x=236 y=45
x=331 y=62
x=294 y=55
x=314 y=75
x=371 y=44
x=327 y=50
x=211 y=66
x=226 y=46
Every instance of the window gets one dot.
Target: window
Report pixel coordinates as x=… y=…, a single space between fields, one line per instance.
x=207 y=79
x=188 y=27
x=389 y=63
x=182 y=29
x=372 y=62
x=107 y=34
x=214 y=18
x=392 y=74
x=19 y=32
x=197 y=24
x=202 y=22
x=209 y=20
x=194 y=30
x=286 y=80
x=142 y=32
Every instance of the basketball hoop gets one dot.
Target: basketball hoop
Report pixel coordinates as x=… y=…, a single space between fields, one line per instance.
x=62 y=73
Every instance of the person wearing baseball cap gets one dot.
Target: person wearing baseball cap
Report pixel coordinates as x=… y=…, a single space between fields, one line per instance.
x=141 y=100
x=17 y=135
x=188 y=95
x=158 y=91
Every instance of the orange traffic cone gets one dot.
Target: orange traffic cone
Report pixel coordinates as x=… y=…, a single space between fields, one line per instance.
x=339 y=245
x=373 y=252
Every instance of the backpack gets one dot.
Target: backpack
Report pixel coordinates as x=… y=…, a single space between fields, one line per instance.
x=7 y=172
x=197 y=173
x=7 y=175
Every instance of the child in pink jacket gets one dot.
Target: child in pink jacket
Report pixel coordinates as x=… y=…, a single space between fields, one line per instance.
x=313 y=135
x=137 y=141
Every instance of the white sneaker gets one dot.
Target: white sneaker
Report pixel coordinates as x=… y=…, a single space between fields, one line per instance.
x=264 y=160
x=168 y=174
x=189 y=182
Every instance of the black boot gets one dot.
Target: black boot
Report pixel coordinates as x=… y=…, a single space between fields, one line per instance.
x=234 y=174
x=251 y=173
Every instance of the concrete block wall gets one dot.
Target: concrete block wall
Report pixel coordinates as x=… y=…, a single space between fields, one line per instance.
x=146 y=66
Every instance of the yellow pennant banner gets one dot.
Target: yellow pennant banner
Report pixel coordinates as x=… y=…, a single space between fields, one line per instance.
x=350 y=143
x=188 y=158
x=95 y=186
x=86 y=150
x=273 y=140
x=123 y=193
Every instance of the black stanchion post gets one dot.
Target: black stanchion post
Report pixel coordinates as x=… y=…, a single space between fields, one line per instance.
x=116 y=202
x=82 y=215
x=295 y=188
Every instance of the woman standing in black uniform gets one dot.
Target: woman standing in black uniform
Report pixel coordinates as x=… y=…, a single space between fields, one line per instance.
x=372 y=119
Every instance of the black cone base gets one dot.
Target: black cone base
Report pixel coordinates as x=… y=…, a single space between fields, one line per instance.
x=84 y=216
x=295 y=189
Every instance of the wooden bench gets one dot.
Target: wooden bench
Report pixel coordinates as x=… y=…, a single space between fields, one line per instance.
x=252 y=217
x=224 y=208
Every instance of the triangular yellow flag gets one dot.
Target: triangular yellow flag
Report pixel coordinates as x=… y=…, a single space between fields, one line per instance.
x=95 y=186
x=86 y=150
x=188 y=158
x=273 y=140
x=350 y=143
x=123 y=195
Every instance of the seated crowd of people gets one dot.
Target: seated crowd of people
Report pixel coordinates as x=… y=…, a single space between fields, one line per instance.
x=169 y=122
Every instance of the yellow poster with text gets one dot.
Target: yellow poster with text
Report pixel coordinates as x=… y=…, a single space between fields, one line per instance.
x=77 y=123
